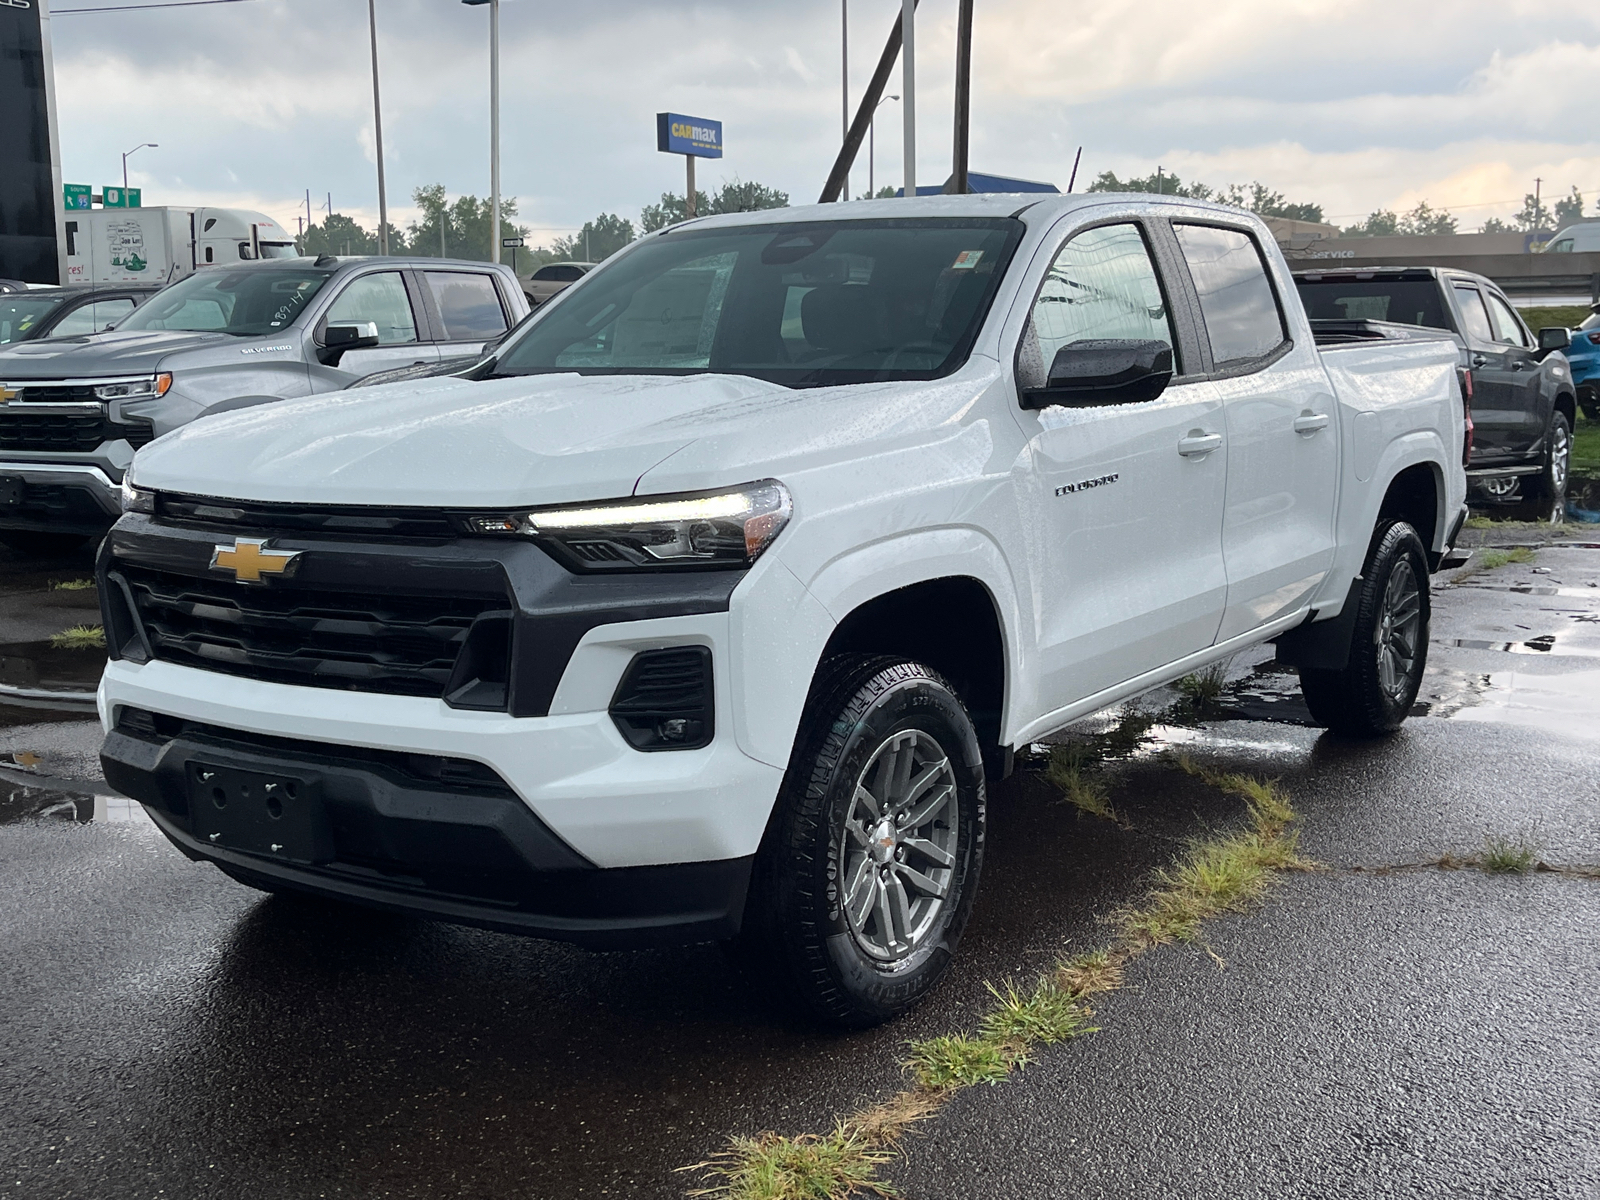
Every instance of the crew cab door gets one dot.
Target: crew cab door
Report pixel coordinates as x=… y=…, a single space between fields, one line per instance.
x=465 y=308
x=1504 y=383
x=384 y=299
x=1121 y=504
x=1283 y=447
x=1523 y=382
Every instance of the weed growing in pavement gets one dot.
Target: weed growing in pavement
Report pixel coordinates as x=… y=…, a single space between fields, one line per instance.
x=72 y=585
x=1203 y=688
x=1481 y=523
x=1070 y=768
x=1490 y=560
x=1507 y=856
x=770 y=1167
x=80 y=637
x=1215 y=876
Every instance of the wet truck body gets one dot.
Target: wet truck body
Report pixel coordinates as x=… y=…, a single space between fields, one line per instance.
x=706 y=606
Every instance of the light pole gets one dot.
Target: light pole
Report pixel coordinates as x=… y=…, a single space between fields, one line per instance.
x=494 y=125
x=844 y=78
x=135 y=150
x=908 y=70
x=872 y=149
x=377 y=126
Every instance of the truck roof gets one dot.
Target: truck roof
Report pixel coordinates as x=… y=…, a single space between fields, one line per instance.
x=1413 y=272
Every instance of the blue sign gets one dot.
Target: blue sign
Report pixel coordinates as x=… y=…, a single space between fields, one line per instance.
x=678 y=134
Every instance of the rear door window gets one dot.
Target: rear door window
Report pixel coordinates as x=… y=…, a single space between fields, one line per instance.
x=380 y=298
x=560 y=273
x=92 y=318
x=1474 y=317
x=468 y=304
x=1241 y=311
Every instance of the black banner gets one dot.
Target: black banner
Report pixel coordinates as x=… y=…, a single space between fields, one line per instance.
x=28 y=185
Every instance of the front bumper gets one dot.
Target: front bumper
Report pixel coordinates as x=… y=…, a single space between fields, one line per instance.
x=71 y=498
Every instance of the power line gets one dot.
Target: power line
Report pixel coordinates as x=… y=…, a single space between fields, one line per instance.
x=61 y=12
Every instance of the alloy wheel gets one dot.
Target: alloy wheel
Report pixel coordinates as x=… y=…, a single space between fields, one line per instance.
x=899 y=846
x=1560 y=458
x=1399 y=631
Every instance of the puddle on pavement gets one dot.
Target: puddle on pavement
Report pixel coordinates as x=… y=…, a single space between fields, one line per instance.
x=22 y=802
x=1568 y=703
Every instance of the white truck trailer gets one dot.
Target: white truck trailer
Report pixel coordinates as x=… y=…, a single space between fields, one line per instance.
x=161 y=245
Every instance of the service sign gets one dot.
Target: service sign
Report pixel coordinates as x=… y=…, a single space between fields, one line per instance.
x=678 y=134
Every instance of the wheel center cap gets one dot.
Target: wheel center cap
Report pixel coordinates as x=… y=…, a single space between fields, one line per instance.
x=884 y=840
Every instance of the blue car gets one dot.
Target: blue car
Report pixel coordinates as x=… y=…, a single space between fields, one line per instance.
x=1584 y=355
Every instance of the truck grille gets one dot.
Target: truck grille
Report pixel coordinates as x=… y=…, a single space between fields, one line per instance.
x=366 y=522
x=68 y=432
x=401 y=645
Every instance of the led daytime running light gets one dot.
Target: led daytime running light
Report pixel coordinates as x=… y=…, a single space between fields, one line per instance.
x=706 y=508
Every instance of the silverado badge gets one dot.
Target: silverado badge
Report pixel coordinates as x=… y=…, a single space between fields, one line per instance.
x=250 y=560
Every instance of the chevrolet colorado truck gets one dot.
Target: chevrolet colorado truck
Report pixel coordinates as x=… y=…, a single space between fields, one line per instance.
x=74 y=410
x=708 y=604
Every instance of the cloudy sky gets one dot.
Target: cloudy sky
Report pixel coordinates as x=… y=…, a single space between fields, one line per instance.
x=1353 y=104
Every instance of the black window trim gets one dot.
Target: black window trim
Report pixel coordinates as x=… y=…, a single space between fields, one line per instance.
x=436 y=318
x=1188 y=348
x=1459 y=281
x=1529 y=341
x=319 y=330
x=1233 y=368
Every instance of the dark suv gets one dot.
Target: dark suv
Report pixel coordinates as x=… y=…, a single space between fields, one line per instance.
x=1523 y=400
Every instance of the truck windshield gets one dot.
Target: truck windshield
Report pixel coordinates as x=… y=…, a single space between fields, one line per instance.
x=279 y=250
x=21 y=313
x=243 y=303
x=804 y=305
x=1405 y=301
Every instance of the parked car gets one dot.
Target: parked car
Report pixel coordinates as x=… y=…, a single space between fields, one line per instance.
x=705 y=607
x=66 y=312
x=1523 y=401
x=1575 y=239
x=220 y=339
x=1583 y=356
x=553 y=278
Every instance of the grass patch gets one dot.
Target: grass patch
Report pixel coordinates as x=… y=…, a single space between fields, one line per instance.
x=1567 y=316
x=1586 y=446
x=771 y=1167
x=956 y=1060
x=1481 y=523
x=1047 y=1014
x=1070 y=768
x=80 y=637
x=1096 y=971
x=72 y=585
x=1203 y=688
x=1490 y=560
x=1508 y=856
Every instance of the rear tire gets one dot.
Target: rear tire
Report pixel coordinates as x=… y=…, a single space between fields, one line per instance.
x=1374 y=692
x=868 y=870
x=1551 y=482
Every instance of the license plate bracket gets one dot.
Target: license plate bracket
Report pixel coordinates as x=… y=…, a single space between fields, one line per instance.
x=12 y=491
x=277 y=816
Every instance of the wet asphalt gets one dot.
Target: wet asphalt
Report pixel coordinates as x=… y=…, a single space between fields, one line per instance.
x=165 y=1032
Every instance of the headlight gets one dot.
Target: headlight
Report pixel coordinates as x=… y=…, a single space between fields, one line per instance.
x=136 y=499
x=138 y=389
x=727 y=527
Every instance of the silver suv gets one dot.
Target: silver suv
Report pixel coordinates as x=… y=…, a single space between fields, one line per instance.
x=73 y=411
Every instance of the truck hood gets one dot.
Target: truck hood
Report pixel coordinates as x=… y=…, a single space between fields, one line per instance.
x=136 y=352
x=447 y=442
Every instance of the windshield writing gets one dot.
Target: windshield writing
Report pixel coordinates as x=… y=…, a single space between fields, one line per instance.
x=802 y=305
x=244 y=303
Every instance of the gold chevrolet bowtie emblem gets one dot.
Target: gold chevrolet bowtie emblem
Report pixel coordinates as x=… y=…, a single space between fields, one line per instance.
x=249 y=559
x=6 y=394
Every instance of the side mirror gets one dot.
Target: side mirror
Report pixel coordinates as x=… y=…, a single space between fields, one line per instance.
x=338 y=340
x=1554 y=338
x=1099 y=371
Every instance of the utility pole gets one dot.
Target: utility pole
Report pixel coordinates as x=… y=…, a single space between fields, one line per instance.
x=865 y=111
x=1076 y=160
x=844 y=81
x=963 y=133
x=1538 y=206
x=908 y=89
x=1161 y=189
x=494 y=124
x=377 y=129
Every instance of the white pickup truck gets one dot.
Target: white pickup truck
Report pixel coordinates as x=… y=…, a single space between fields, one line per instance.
x=705 y=608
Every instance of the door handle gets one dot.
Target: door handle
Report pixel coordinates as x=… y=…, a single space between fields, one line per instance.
x=1516 y=366
x=1480 y=360
x=1310 y=422
x=1199 y=442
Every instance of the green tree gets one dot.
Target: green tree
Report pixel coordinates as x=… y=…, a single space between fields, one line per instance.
x=597 y=241
x=458 y=229
x=1570 y=209
x=340 y=234
x=1381 y=223
x=1533 y=215
x=734 y=197
x=886 y=192
x=1425 y=220
x=1254 y=197
x=1496 y=225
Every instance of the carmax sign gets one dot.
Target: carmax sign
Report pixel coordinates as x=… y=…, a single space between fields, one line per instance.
x=678 y=134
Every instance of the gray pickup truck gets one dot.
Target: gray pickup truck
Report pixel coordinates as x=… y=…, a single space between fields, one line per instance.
x=1523 y=403
x=74 y=410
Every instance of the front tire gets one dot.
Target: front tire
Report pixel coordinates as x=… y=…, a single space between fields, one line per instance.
x=1374 y=692
x=867 y=874
x=1551 y=482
